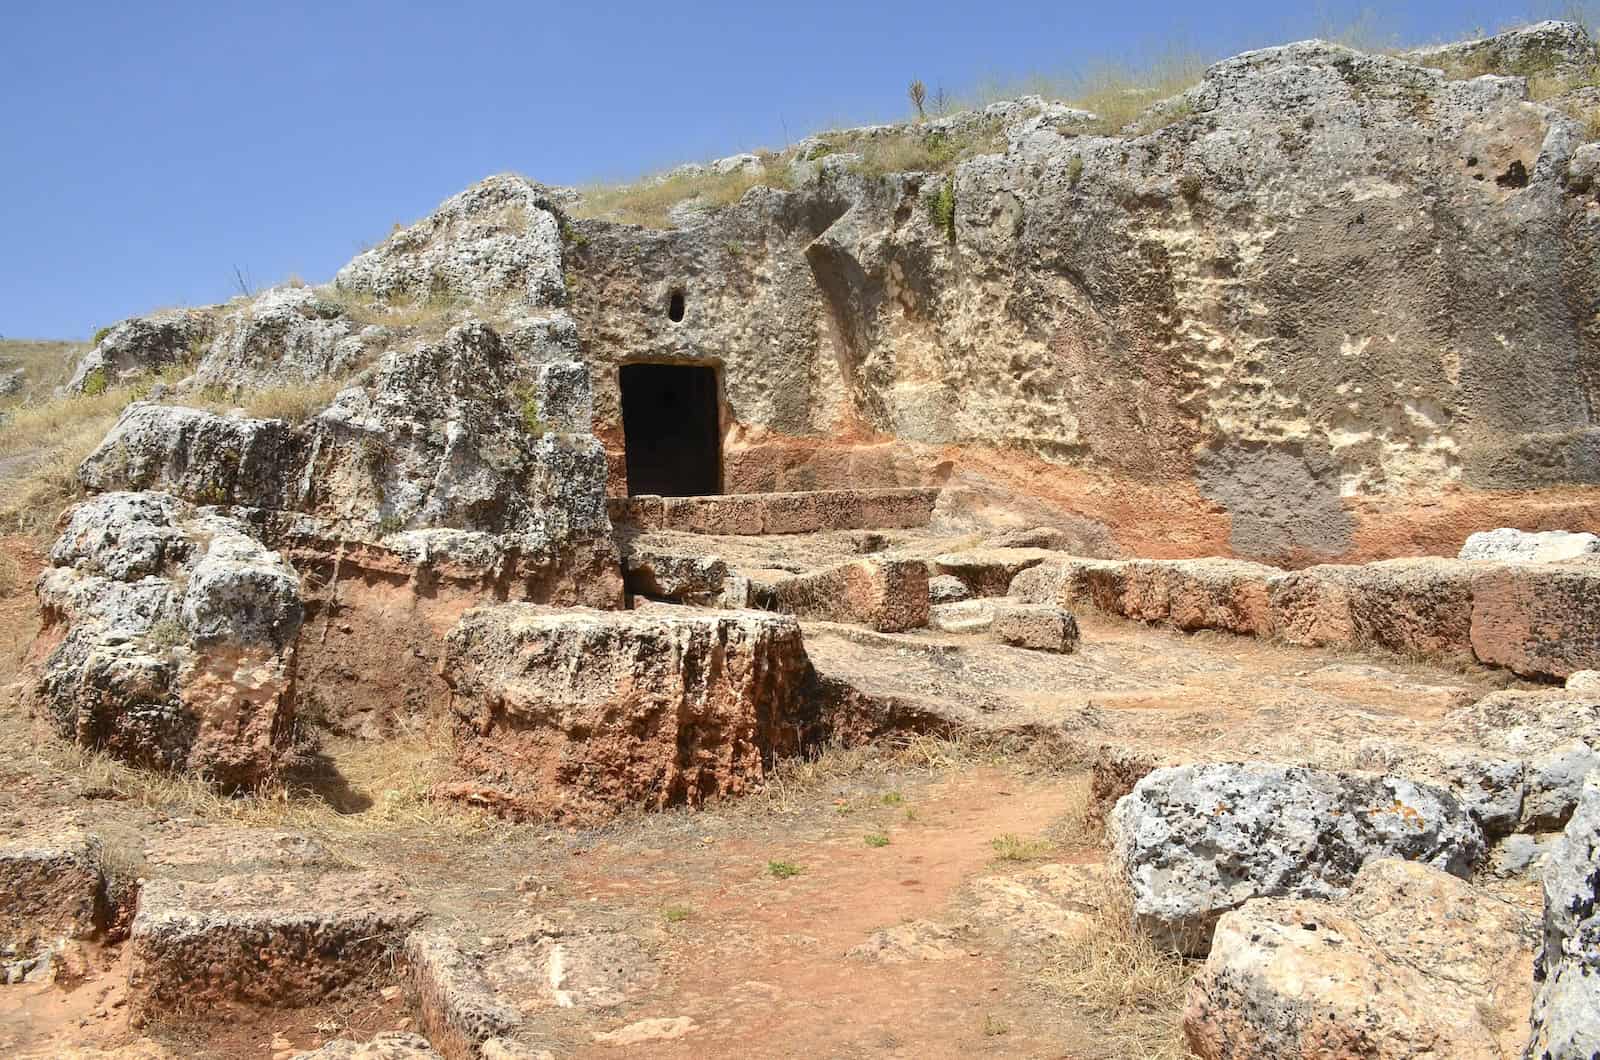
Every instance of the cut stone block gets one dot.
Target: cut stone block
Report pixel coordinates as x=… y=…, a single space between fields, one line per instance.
x=989 y=571
x=266 y=940
x=1036 y=626
x=582 y=713
x=52 y=888
x=1417 y=606
x=470 y=993
x=1537 y=619
x=1221 y=594
x=886 y=595
x=967 y=616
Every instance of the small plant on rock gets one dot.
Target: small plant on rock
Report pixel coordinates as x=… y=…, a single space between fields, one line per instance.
x=919 y=99
x=1074 y=171
x=783 y=870
x=877 y=839
x=676 y=914
x=95 y=383
x=942 y=209
x=167 y=633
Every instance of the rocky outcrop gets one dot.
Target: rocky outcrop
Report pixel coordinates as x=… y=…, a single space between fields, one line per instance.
x=169 y=638
x=285 y=336
x=1186 y=360
x=1547 y=48
x=1411 y=963
x=142 y=345
x=1566 y=1007
x=581 y=713
x=499 y=238
x=1196 y=841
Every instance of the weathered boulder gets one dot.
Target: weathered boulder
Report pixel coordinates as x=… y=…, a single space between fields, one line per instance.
x=285 y=336
x=169 y=639
x=1040 y=627
x=140 y=345
x=1195 y=841
x=1566 y=1007
x=1411 y=963
x=499 y=237
x=272 y=939
x=888 y=595
x=471 y=991
x=1549 y=47
x=1528 y=547
x=581 y=713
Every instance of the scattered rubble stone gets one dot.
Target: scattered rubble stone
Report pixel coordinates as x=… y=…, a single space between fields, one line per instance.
x=1195 y=841
x=1412 y=962
x=916 y=940
x=1036 y=626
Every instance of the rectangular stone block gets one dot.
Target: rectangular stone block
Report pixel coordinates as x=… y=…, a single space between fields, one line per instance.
x=52 y=887
x=272 y=939
x=885 y=595
x=1537 y=619
x=1039 y=627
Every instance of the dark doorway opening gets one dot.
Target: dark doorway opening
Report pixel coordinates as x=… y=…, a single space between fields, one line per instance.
x=670 y=430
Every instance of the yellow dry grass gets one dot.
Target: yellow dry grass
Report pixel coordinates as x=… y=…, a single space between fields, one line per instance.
x=1115 y=973
x=646 y=202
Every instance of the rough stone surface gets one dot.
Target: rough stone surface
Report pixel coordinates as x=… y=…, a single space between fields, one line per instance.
x=1538 y=619
x=1196 y=841
x=572 y=713
x=887 y=595
x=52 y=888
x=1036 y=626
x=1566 y=1007
x=989 y=571
x=1521 y=546
x=473 y=992
x=966 y=616
x=1411 y=963
x=499 y=237
x=270 y=940
x=141 y=345
x=946 y=589
x=169 y=638
x=394 y=1045
x=285 y=336
x=1151 y=329
x=1408 y=606
x=779 y=513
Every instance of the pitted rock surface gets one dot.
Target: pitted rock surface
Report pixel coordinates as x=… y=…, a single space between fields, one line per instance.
x=1196 y=841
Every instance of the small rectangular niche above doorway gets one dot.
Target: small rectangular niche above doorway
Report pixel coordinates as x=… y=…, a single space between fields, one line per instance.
x=670 y=429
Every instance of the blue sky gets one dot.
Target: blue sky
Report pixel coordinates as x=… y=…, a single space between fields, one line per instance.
x=146 y=150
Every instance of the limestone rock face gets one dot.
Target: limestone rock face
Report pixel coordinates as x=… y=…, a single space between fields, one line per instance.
x=1544 y=47
x=497 y=238
x=169 y=638
x=448 y=435
x=395 y=1045
x=1411 y=963
x=1196 y=841
x=1543 y=547
x=1169 y=308
x=579 y=713
x=140 y=345
x=1566 y=1007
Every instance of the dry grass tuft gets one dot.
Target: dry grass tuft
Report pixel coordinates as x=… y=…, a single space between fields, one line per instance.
x=646 y=202
x=1112 y=971
x=295 y=403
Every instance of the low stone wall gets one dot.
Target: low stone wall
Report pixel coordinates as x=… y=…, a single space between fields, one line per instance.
x=779 y=513
x=1539 y=620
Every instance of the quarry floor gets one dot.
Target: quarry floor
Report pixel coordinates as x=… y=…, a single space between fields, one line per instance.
x=759 y=963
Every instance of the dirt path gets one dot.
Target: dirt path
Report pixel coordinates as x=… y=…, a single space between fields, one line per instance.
x=759 y=964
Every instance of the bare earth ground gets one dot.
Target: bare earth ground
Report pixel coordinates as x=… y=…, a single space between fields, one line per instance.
x=757 y=962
